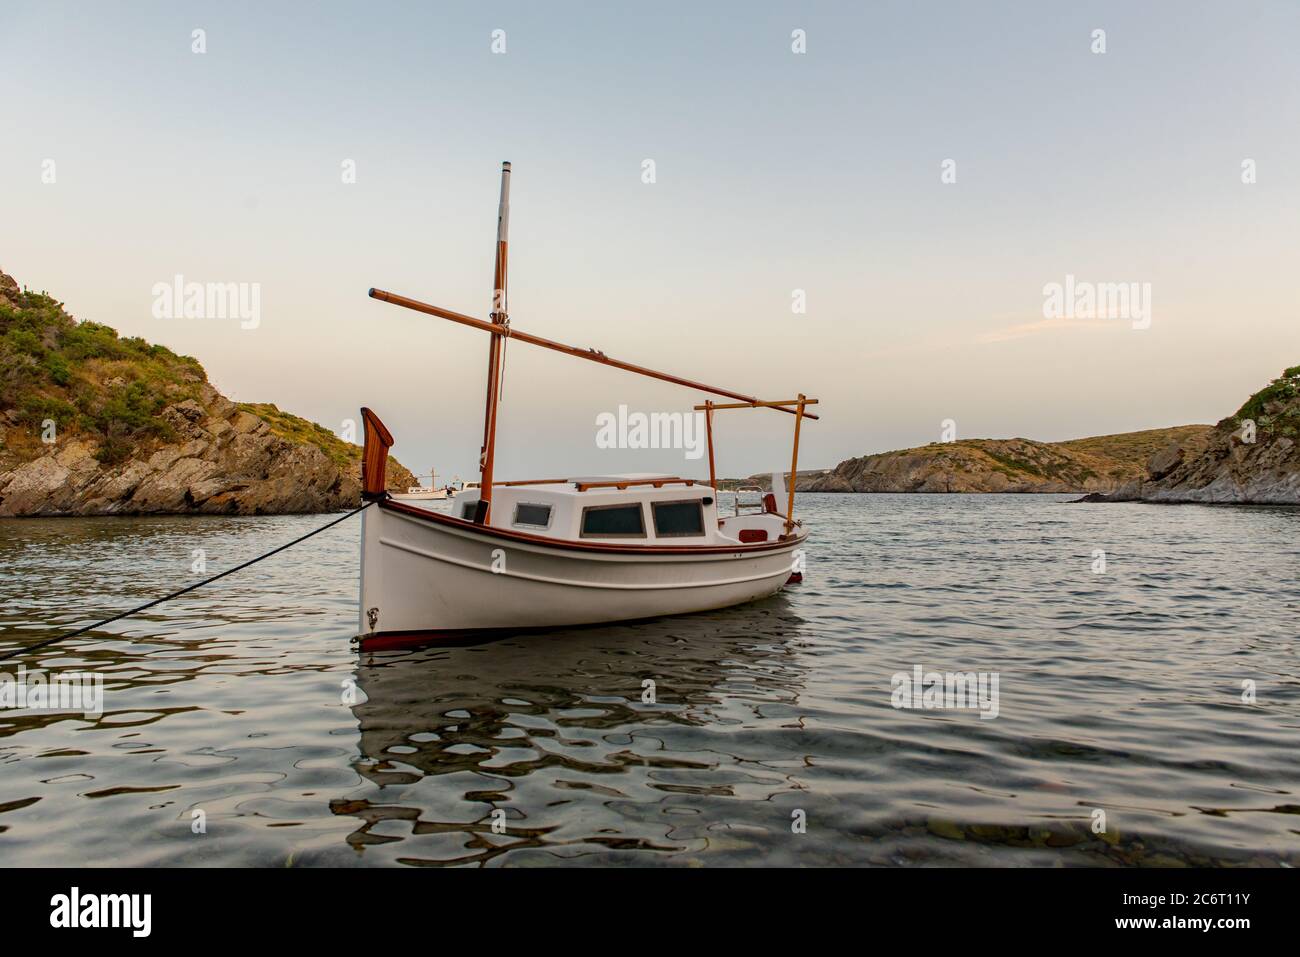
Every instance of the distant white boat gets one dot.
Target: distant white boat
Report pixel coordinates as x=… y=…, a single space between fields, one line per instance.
x=421 y=493
x=553 y=552
x=418 y=493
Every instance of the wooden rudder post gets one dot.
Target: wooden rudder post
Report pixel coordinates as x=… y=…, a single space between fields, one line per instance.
x=374 y=457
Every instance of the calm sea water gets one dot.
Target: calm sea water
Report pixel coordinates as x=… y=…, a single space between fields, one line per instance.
x=772 y=738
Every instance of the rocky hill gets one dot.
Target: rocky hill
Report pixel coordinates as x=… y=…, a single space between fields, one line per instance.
x=1102 y=463
x=1253 y=456
x=95 y=424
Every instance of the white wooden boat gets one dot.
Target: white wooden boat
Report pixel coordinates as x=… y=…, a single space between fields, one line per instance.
x=418 y=493
x=541 y=553
x=422 y=493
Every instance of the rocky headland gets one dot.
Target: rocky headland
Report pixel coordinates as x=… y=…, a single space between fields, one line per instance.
x=95 y=424
x=1102 y=463
x=1251 y=457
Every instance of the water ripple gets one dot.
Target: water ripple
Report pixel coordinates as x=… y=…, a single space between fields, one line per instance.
x=770 y=736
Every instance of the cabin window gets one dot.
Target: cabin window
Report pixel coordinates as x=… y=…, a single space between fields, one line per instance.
x=533 y=516
x=613 y=521
x=678 y=519
x=467 y=511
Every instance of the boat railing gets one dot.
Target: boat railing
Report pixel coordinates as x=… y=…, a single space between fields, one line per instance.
x=741 y=505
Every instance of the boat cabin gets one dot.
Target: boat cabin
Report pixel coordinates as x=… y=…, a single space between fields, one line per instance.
x=627 y=509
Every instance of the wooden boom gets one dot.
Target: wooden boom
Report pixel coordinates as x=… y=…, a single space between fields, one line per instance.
x=501 y=329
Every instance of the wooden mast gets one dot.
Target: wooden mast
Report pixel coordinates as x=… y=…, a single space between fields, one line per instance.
x=499 y=317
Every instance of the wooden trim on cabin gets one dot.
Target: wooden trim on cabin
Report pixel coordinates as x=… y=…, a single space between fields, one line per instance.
x=440 y=518
x=657 y=483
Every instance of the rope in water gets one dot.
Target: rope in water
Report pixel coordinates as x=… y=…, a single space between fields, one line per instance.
x=176 y=594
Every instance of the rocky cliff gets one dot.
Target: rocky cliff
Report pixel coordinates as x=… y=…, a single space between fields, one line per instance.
x=1103 y=463
x=95 y=424
x=1252 y=456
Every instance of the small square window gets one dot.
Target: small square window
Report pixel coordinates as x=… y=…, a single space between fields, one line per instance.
x=467 y=511
x=533 y=516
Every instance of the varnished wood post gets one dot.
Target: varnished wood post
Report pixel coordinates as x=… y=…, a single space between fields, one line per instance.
x=374 y=456
x=499 y=318
x=708 y=430
x=794 y=466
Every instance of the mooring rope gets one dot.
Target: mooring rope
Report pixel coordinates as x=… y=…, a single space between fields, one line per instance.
x=176 y=594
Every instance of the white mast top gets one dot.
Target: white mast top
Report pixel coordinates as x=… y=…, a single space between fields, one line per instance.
x=503 y=211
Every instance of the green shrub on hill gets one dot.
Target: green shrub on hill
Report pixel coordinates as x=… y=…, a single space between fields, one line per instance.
x=297 y=429
x=86 y=378
x=1285 y=390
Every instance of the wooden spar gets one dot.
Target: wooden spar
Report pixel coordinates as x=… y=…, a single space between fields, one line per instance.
x=708 y=430
x=503 y=330
x=757 y=405
x=794 y=466
x=500 y=318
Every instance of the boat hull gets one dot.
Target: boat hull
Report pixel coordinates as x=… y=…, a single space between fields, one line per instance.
x=423 y=571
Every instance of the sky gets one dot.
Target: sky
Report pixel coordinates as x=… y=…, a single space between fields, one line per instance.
x=922 y=173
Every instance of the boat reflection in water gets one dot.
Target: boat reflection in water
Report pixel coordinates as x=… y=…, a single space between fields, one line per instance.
x=581 y=744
